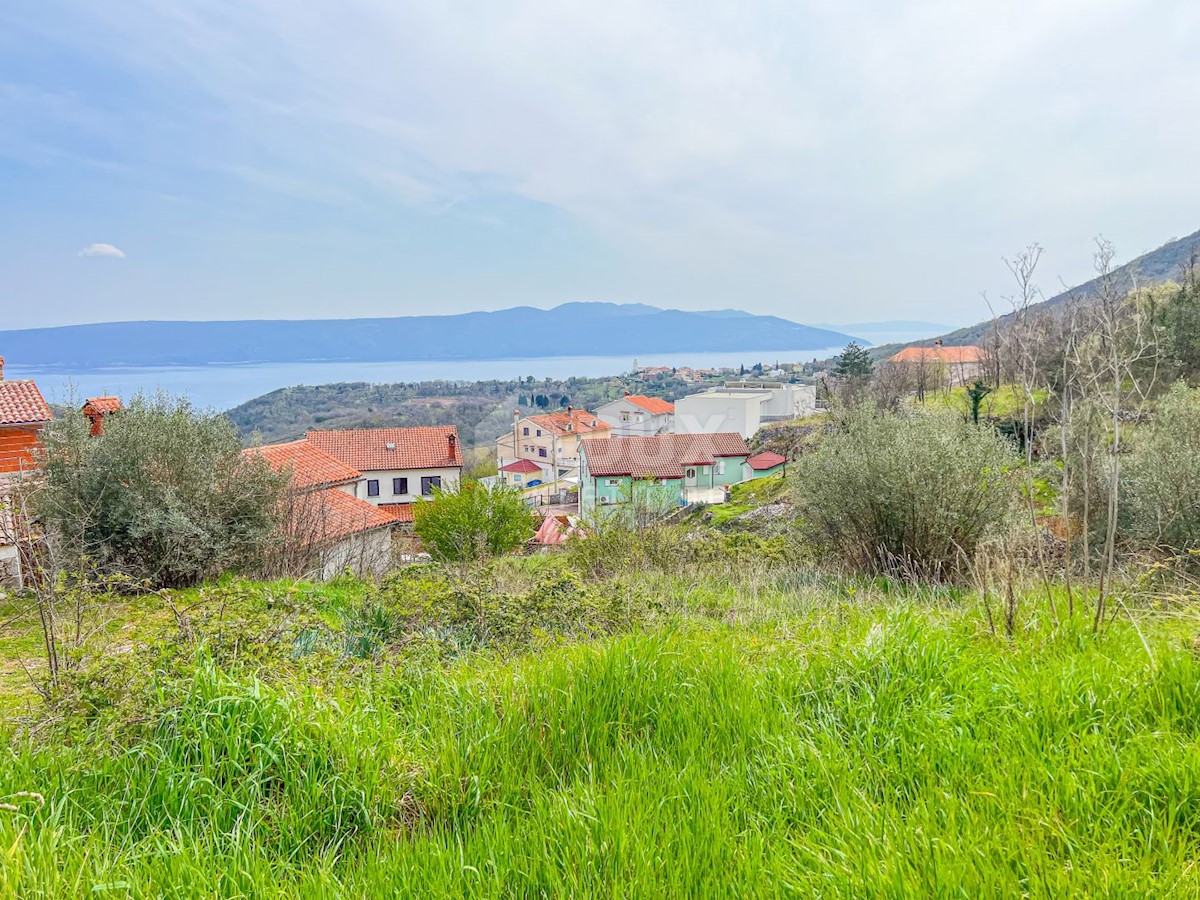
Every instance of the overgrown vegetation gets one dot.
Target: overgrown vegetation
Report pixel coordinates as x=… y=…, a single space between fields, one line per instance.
x=914 y=494
x=164 y=496
x=471 y=522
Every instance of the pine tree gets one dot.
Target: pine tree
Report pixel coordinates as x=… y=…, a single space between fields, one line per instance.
x=854 y=361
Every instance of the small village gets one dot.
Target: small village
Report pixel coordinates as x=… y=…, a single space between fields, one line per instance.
x=354 y=490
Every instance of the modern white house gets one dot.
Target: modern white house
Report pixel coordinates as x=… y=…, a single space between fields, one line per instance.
x=635 y=415
x=743 y=406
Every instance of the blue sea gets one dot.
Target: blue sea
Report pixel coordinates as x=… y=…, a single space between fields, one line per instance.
x=226 y=386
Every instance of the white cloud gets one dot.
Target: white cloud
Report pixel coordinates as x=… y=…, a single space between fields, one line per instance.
x=107 y=251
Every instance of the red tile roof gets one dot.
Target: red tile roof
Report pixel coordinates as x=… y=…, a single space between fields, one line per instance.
x=336 y=515
x=398 y=512
x=765 y=460
x=949 y=355
x=21 y=403
x=556 y=529
x=661 y=456
x=368 y=450
x=103 y=405
x=580 y=421
x=521 y=465
x=310 y=466
x=654 y=405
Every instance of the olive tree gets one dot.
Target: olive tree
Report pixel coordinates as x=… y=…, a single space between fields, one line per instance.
x=164 y=495
x=915 y=493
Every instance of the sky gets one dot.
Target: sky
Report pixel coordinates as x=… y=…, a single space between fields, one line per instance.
x=823 y=160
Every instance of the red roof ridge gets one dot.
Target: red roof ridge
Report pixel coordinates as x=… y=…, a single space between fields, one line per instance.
x=310 y=466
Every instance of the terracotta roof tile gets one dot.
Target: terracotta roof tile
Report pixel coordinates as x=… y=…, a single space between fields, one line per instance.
x=661 y=456
x=653 y=405
x=103 y=405
x=765 y=460
x=949 y=355
x=336 y=515
x=580 y=421
x=377 y=449
x=310 y=466
x=21 y=403
x=398 y=512
x=521 y=465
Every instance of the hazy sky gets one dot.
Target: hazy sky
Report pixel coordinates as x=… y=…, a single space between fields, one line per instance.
x=829 y=161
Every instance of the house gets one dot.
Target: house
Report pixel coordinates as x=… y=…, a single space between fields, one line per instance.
x=743 y=406
x=95 y=409
x=635 y=414
x=551 y=442
x=522 y=473
x=672 y=469
x=763 y=464
x=397 y=466
x=332 y=528
x=939 y=365
x=23 y=413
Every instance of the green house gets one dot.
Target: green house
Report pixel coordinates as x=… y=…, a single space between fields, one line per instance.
x=665 y=470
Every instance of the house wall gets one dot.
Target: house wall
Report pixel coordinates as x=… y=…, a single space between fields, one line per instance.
x=601 y=491
x=630 y=420
x=10 y=569
x=17 y=443
x=449 y=478
x=710 y=413
x=761 y=473
x=365 y=554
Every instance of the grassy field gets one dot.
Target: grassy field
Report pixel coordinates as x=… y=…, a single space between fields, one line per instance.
x=522 y=731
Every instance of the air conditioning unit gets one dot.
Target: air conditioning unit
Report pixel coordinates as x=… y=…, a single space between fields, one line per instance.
x=605 y=501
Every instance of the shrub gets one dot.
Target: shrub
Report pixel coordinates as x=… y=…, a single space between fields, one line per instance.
x=165 y=495
x=1162 y=475
x=473 y=522
x=914 y=493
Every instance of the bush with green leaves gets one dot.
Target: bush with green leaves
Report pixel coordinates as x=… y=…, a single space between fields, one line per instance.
x=1161 y=507
x=472 y=521
x=165 y=495
x=913 y=494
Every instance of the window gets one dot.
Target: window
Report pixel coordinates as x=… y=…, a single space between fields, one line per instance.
x=399 y=486
x=516 y=478
x=691 y=473
x=624 y=417
x=428 y=483
x=525 y=431
x=539 y=432
x=719 y=468
x=542 y=452
x=613 y=482
x=373 y=487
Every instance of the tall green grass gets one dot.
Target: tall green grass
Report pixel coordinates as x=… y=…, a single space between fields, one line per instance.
x=810 y=745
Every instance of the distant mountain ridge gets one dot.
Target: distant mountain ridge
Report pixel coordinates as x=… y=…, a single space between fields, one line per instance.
x=572 y=329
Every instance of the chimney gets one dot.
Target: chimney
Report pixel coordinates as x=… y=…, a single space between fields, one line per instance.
x=937 y=345
x=627 y=394
x=516 y=415
x=452 y=440
x=1 y=368
x=570 y=410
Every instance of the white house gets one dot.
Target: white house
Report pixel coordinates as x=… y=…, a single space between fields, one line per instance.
x=742 y=406
x=397 y=466
x=635 y=415
x=331 y=527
